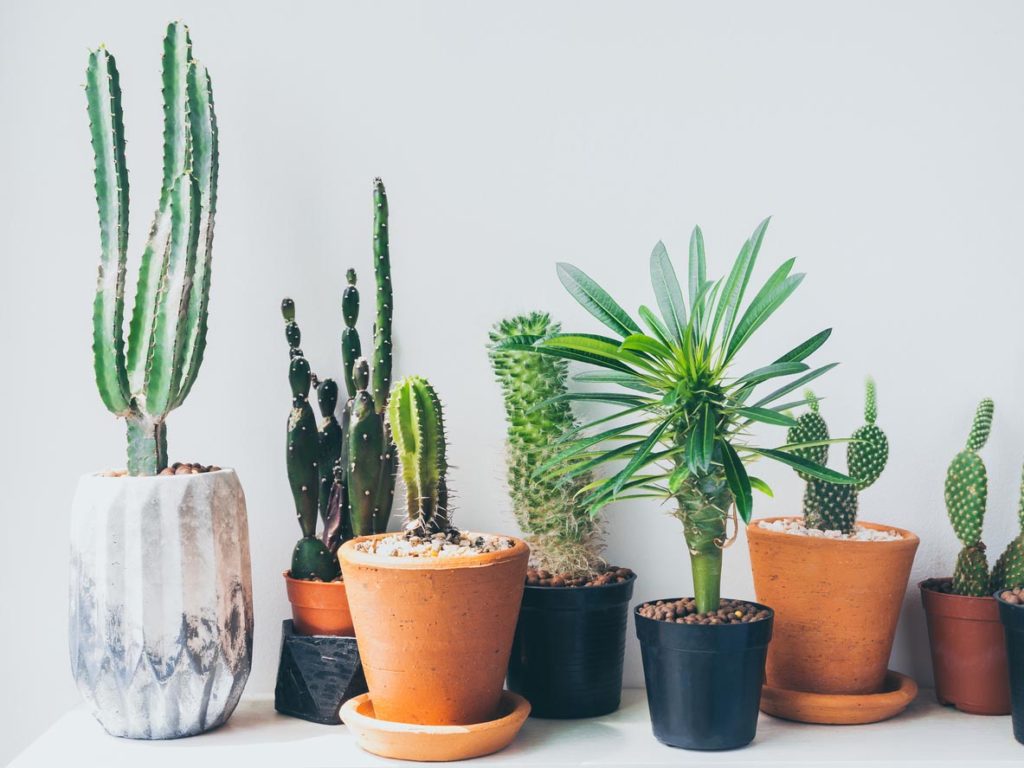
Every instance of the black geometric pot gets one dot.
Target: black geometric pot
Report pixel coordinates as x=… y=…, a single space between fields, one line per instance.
x=568 y=648
x=703 y=682
x=317 y=674
x=1013 y=624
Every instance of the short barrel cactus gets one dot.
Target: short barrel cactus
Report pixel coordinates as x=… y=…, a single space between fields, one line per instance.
x=833 y=506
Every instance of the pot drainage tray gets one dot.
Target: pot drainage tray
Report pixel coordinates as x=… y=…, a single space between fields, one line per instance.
x=841 y=709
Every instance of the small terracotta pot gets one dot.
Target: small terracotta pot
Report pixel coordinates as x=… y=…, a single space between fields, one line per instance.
x=836 y=605
x=319 y=607
x=435 y=634
x=968 y=651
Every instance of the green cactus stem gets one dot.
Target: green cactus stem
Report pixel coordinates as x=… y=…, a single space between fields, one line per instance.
x=562 y=535
x=145 y=379
x=1008 y=572
x=365 y=450
x=351 y=348
x=414 y=412
x=330 y=437
x=382 y=272
x=966 y=495
x=833 y=506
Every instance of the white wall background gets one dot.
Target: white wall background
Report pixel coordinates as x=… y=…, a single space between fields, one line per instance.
x=884 y=138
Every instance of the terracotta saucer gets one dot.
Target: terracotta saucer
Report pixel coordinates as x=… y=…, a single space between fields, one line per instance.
x=838 y=709
x=406 y=741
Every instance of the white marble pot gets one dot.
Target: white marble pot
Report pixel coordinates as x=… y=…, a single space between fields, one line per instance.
x=161 y=601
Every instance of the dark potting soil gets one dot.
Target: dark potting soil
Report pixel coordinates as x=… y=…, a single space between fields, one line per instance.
x=943 y=586
x=177 y=468
x=684 y=611
x=1013 y=596
x=611 y=574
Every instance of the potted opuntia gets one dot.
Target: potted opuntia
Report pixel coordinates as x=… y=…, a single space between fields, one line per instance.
x=344 y=472
x=161 y=592
x=569 y=643
x=434 y=609
x=966 y=636
x=681 y=428
x=831 y=666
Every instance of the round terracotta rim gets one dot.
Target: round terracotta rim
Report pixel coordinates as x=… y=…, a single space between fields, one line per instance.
x=520 y=710
x=349 y=553
x=329 y=584
x=842 y=709
x=950 y=596
x=909 y=540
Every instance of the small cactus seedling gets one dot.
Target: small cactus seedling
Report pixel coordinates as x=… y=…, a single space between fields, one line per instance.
x=354 y=463
x=150 y=375
x=414 y=411
x=833 y=506
x=966 y=494
x=562 y=535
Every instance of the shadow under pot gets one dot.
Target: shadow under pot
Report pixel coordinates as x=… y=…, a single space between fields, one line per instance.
x=968 y=650
x=1012 y=616
x=568 y=649
x=704 y=681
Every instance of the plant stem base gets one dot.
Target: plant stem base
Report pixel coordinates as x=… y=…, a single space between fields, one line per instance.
x=841 y=709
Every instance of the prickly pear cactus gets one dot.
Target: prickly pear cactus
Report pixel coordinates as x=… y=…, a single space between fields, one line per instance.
x=966 y=494
x=1008 y=572
x=829 y=506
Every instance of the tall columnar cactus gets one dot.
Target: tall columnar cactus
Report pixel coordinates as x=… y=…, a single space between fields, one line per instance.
x=563 y=536
x=145 y=379
x=414 y=411
x=832 y=506
x=966 y=495
x=1008 y=572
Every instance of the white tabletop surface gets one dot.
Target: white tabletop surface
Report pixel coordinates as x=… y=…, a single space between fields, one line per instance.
x=256 y=736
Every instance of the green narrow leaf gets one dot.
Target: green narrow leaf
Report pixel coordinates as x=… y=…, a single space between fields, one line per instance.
x=760 y=485
x=807 y=348
x=628 y=380
x=767 y=416
x=772 y=295
x=667 y=292
x=804 y=465
x=641 y=342
x=708 y=426
x=568 y=354
x=698 y=266
x=795 y=384
x=739 y=483
x=770 y=372
x=656 y=325
x=641 y=455
x=596 y=300
x=613 y=398
x=679 y=474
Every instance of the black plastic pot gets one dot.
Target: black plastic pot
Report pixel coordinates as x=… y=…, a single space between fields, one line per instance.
x=1013 y=623
x=704 y=682
x=568 y=648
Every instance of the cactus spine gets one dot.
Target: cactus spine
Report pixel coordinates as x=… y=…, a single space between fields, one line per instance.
x=563 y=537
x=414 y=411
x=145 y=379
x=966 y=495
x=830 y=506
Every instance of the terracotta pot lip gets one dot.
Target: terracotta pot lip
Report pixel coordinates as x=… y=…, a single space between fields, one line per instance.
x=923 y=586
x=313 y=584
x=909 y=540
x=350 y=709
x=98 y=475
x=619 y=584
x=349 y=554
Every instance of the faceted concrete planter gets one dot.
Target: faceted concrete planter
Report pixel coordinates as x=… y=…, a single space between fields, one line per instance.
x=317 y=674
x=161 y=601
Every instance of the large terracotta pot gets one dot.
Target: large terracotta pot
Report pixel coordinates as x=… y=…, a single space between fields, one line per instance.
x=968 y=651
x=435 y=634
x=319 y=607
x=836 y=605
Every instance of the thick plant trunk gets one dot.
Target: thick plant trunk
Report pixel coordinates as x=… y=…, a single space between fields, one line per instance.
x=703 y=508
x=147 y=446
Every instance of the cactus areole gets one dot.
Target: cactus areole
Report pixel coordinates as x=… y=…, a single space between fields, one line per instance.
x=682 y=415
x=146 y=377
x=343 y=470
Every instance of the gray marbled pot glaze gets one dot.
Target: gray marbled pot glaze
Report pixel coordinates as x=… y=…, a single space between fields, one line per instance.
x=161 y=623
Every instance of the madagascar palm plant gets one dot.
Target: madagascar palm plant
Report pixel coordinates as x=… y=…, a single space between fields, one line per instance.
x=681 y=417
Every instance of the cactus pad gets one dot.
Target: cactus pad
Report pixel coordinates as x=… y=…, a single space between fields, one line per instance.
x=810 y=428
x=966 y=496
x=312 y=560
x=970 y=576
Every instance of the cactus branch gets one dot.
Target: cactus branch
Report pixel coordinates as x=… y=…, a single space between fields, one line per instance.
x=382 y=324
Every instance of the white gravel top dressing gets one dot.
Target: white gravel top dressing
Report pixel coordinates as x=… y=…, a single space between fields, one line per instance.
x=796 y=527
x=451 y=544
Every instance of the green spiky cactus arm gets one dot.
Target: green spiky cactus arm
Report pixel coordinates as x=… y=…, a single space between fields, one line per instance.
x=810 y=428
x=414 y=413
x=302 y=448
x=970 y=576
x=981 y=426
x=365 y=450
x=835 y=505
x=563 y=536
x=385 y=495
x=868 y=452
x=382 y=324
x=966 y=487
x=351 y=348
x=330 y=438
x=1008 y=572
x=313 y=560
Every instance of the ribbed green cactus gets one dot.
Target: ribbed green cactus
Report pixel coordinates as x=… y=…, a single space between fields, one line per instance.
x=966 y=494
x=150 y=376
x=356 y=460
x=1008 y=572
x=563 y=537
x=832 y=506
x=414 y=412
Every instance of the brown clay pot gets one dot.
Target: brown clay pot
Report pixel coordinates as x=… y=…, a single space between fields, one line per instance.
x=836 y=605
x=968 y=651
x=319 y=607
x=435 y=634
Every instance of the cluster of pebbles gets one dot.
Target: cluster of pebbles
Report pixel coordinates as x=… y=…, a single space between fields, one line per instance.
x=1013 y=596
x=451 y=543
x=538 y=577
x=796 y=527
x=177 y=468
x=684 y=611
